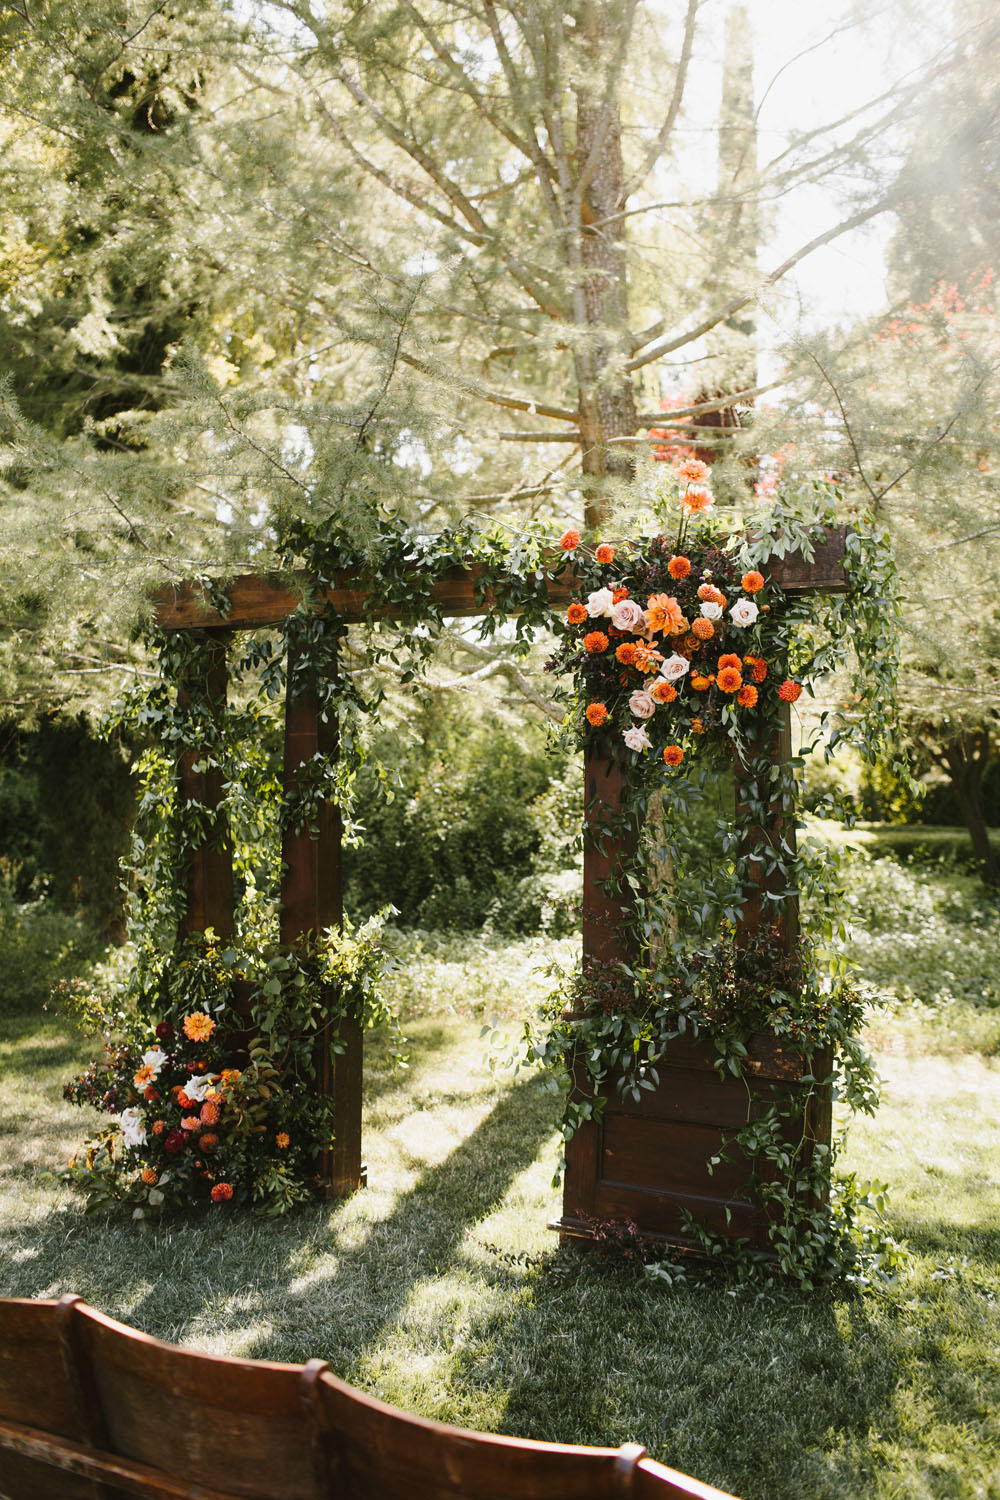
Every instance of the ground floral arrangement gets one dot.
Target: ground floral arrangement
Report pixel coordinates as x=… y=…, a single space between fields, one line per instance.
x=206 y=1067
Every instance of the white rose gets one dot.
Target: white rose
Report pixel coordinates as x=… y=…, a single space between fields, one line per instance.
x=627 y=615
x=744 y=612
x=154 y=1060
x=674 y=667
x=198 y=1086
x=132 y=1127
x=636 y=738
x=641 y=704
x=711 y=611
x=600 y=602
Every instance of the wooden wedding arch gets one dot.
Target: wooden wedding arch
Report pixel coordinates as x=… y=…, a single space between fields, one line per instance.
x=605 y=1178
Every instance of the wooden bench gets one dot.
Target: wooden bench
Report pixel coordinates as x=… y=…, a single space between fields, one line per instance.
x=91 y=1410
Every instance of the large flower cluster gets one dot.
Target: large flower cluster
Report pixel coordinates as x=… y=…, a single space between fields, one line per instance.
x=190 y=1125
x=673 y=641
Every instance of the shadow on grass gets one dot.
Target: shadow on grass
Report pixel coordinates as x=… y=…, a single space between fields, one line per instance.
x=758 y=1393
x=324 y=1282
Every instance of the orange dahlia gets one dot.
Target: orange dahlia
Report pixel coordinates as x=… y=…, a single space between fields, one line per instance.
x=709 y=594
x=159 y=1126
x=663 y=692
x=730 y=660
x=790 y=691
x=697 y=727
x=222 y=1192
x=198 y=1027
x=208 y=1142
x=730 y=680
x=209 y=1113
x=626 y=653
x=619 y=593
x=702 y=628
x=679 y=567
x=692 y=471
x=747 y=696
x=758 y=667
x=150 y=1176
x=698 y=500
x=700 y=682
x=647 y=659
x=576 y=614
x=569 y=540
x=673 y=755
x=605 y=553
x=595 y=642
x=597 y=714
x=664 y=613
x=752 y=582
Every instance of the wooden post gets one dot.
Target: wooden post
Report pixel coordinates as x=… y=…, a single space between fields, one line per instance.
x=210 y=864
x=311 y=901
x=607 y=849
x=778 y=829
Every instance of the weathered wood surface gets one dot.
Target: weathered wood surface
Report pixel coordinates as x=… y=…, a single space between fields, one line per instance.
x=647 y=1159
x=607 y=845
x=257 y=600
x=210 y=865
x=311 y=901
x=91 y=1410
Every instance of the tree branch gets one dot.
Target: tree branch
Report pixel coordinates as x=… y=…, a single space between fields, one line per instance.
x=659 y=144
x=668 y=345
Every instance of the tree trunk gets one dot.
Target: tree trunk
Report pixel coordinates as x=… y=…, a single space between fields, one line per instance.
x=607 y=396
x=965 y=758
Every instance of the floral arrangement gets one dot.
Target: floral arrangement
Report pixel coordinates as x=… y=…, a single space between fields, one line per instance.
x=206 y=1090
x=674 y=640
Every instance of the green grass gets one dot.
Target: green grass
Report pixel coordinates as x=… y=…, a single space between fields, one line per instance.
x=765 y=1391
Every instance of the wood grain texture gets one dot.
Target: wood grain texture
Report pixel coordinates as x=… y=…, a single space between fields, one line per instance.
x=178 y=1425
x=311 y=901
x=607 y=847
x=209 y=882
x=648 y=1160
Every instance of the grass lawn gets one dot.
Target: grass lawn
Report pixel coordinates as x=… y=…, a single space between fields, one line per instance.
x=410 y=1291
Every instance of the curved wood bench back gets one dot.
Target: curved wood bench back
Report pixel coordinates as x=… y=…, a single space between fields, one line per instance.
x=91 y=1410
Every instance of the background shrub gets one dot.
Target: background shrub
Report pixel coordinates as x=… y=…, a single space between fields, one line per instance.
x=466 y=826
x=66 y=807
x=40 y=945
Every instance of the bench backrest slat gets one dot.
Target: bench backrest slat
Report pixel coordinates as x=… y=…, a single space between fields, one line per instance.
x=118 y=1414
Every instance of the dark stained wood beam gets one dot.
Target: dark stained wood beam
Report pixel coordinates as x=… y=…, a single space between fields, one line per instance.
x=258 y=600
x=311 y=901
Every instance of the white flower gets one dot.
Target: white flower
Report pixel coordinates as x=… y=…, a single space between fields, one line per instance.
x=636 y=738
x=674 y=667
x=600 y=602
x=197 y=1087
x=628 y=615
x=641 y=704
x=133 y=1129
x=744 y=612
x=154 y=1060
x=711 y=611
